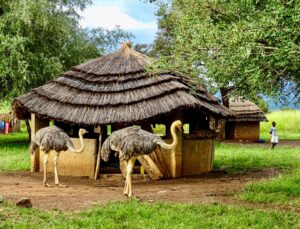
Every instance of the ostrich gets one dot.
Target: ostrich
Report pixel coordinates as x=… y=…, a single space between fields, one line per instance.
x=131 y=142
x=54 y=138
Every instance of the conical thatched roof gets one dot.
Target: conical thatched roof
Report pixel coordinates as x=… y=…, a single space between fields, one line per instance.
x=245 y=110
x=115 y=89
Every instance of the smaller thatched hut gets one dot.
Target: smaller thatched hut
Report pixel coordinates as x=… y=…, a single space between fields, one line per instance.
x=12 y=121
x=245 y=124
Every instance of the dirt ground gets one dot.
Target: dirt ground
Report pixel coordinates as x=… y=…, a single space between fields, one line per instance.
x=81 y=193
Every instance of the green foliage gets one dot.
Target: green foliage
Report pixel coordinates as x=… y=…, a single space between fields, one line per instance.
x=287 y=125
x=133 y=214
x=41 y=38
x=5 y=107
x=253 y=45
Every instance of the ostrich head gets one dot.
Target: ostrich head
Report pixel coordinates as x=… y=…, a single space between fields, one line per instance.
x=177 y=124
x=82 y=131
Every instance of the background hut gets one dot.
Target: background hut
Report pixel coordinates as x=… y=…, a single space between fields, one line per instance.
x=246 y=121
x=10 y=122
x=115 y=91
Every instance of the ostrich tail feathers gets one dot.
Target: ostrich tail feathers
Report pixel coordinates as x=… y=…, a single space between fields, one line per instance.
x=105 y=150
x=33 y=147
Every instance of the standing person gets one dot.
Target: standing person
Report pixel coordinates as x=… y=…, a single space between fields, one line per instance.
x=273 y=132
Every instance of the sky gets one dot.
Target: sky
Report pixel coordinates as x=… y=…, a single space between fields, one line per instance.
x=134 y=16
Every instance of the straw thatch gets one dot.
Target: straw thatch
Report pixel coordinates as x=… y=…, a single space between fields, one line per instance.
x=115 y=89
x=245 y=110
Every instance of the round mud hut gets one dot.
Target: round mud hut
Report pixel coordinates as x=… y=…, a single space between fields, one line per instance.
x=115 y=91
x=246 y=121
x=9 y=123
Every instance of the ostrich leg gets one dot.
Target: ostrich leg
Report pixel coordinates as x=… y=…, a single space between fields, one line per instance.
x=129 y=170
x=45 y=184
x=55 y=160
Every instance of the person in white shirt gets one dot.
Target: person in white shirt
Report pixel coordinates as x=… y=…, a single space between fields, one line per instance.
x=274 y=137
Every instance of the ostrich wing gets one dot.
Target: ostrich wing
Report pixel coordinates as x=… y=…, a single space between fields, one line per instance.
x=115 y=141
x=137 y=143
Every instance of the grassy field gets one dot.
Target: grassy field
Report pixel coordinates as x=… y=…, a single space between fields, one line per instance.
x=282 y=191
x=287 y=125
x=236 y=158
x=14 y=153
x=133 y=214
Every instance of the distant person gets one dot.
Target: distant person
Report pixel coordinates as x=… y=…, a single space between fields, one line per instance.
x=274 y=137
x=2 y=126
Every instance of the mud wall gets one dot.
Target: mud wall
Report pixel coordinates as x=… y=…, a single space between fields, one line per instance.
x=246 y=131
x=197 y=156
x=73 y=164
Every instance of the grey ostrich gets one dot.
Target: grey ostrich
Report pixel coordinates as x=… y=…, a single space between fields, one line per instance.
x=131 y=142
x=54 y=138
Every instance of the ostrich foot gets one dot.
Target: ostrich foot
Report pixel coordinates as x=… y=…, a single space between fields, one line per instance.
x=61 y=185
x=133 y=197
x=45 y=184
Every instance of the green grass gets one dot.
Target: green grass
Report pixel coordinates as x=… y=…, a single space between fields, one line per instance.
x=287 y=125
x=284 y=189
x=133 y=214
x=237 y=158
x=14 y=154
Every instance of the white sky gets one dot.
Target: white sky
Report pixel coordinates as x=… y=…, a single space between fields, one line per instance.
x=132 y=15
x=110 y=16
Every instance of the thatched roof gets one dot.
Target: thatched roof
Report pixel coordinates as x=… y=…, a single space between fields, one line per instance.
x=115 y=89
x=245 y=110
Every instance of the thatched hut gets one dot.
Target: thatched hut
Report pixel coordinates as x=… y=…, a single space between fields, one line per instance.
x=115 y=91
x=14 y=123
x=246 y=121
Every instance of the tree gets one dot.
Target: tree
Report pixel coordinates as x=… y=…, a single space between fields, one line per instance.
x=253 y=45
x=41 y=38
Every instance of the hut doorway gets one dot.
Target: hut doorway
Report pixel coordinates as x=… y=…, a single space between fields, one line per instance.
x=229 y=130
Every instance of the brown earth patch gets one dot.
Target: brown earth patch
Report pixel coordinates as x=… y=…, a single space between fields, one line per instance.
x=82 y=193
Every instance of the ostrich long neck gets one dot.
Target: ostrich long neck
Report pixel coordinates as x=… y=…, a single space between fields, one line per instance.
x=175 y=140
x=71 y=148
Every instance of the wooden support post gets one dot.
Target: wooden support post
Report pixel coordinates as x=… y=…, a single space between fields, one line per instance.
x=28 y=129
x=36 y=124
x=150 y=167
x=98 y=130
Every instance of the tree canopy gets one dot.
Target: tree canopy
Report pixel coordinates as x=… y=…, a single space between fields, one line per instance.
x=41 y=38
x=251 y=45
